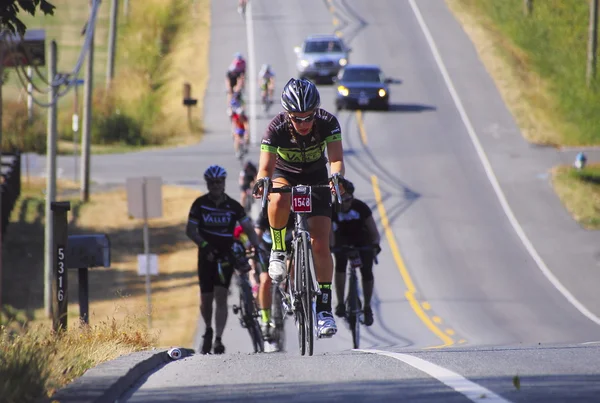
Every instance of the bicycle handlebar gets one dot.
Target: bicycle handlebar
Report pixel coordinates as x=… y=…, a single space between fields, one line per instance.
x=268 y=185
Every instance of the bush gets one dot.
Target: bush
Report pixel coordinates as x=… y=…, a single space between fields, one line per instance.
x=117 y=128
x=18 y=133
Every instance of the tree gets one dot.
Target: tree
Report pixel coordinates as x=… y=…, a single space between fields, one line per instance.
x=9 y=10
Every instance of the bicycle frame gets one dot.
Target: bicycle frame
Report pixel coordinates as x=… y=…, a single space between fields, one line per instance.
x=247 y=310
x=352 y=301
x=303 y=287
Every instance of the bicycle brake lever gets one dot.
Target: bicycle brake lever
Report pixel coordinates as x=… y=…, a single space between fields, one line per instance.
x=266 y=181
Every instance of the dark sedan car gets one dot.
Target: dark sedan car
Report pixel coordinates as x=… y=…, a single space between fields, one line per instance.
x=362 y=86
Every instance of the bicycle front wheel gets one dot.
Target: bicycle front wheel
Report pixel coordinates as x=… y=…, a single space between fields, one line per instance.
x=353 y=310
x=308 y=295
x=250 y=316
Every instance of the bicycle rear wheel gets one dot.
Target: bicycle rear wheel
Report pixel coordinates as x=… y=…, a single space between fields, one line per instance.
x=353 y=309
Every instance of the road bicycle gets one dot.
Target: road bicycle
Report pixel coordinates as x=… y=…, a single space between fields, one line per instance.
x=353 y=302
x=301 y=287
x=247 y=309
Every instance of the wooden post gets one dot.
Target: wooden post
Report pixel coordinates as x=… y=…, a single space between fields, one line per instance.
x=592 y=43
x=60 y=294
x=527 y=7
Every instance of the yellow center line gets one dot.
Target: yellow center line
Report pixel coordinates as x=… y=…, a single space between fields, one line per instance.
x=410 y=286
x=361 y=128
x=411 y=290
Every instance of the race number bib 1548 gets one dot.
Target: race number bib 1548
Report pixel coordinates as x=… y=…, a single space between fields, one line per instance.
x=301 y=200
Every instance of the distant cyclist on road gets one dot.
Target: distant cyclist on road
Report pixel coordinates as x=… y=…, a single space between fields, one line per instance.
x=236 y=73
x=211 y=222
x=246 y=181
x=354 y=226
x=293 y=152
x=240 y=128
x=266 y=82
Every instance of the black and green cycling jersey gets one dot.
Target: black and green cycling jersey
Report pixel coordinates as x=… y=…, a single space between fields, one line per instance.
x=301 y=154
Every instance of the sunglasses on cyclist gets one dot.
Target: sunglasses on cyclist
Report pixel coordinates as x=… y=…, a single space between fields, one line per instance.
x=305 y=119
x=215 y=181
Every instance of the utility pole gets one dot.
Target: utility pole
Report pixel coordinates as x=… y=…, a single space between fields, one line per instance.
x=88 y=86
x=112 y=40
x=2 y=36
x=592 y=43
x=50 y=182
x=527 y=7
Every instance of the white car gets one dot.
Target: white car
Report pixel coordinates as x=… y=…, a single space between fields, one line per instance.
x=321 y=56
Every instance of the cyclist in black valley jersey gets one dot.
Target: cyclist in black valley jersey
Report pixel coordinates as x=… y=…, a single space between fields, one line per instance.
x=354 y=225
x=293 y=152
x=211 y=223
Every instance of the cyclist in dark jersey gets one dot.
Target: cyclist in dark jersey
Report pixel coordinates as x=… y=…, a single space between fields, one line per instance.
x=246 y=181
x=354 y=225
x=293 y=152
x=263 y=230
x=211 y=223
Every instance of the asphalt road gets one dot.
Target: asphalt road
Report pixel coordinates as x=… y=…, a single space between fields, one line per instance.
x=483 y=275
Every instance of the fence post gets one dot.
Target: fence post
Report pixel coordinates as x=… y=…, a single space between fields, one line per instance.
x=60 y=296
x=592 y=43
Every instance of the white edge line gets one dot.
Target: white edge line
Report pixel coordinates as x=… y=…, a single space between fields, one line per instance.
x=492 y=177
x=469 y=389
x=251 y=72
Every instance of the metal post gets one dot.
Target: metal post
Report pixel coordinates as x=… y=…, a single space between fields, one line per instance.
x=50 y=183
x=83 y=294
x=112 y=40
x=60 y=289
x=87 y=122
x=75 y=128
x=592 y=43
x=147 y=250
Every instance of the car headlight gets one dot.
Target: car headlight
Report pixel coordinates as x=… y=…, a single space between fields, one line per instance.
x=382 y=93
x=343 y=91
x=304 y=63
x=343 y=62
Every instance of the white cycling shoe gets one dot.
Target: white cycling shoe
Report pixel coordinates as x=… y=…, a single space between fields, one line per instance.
x=326 y=324
x=277 y=266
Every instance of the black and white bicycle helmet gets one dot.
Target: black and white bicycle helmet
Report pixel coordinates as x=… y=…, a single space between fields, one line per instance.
x=215 y=172
x=300 y=95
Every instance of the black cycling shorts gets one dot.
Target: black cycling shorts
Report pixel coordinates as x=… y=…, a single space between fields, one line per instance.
x=321 y=200
x=208 y=273
x=366 y=271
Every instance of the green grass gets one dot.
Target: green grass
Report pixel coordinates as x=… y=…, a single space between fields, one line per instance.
x=580 y=193
x=553 y=41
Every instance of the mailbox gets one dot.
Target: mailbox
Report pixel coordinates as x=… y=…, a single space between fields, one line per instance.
x=29 y=50
x=84 y=251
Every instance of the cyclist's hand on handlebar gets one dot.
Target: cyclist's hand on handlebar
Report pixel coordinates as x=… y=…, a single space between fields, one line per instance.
x=340 y=181
x=376 y=249
x=257 y=189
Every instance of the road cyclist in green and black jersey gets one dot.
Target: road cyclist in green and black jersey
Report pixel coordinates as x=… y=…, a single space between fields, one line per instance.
x=293 y=153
